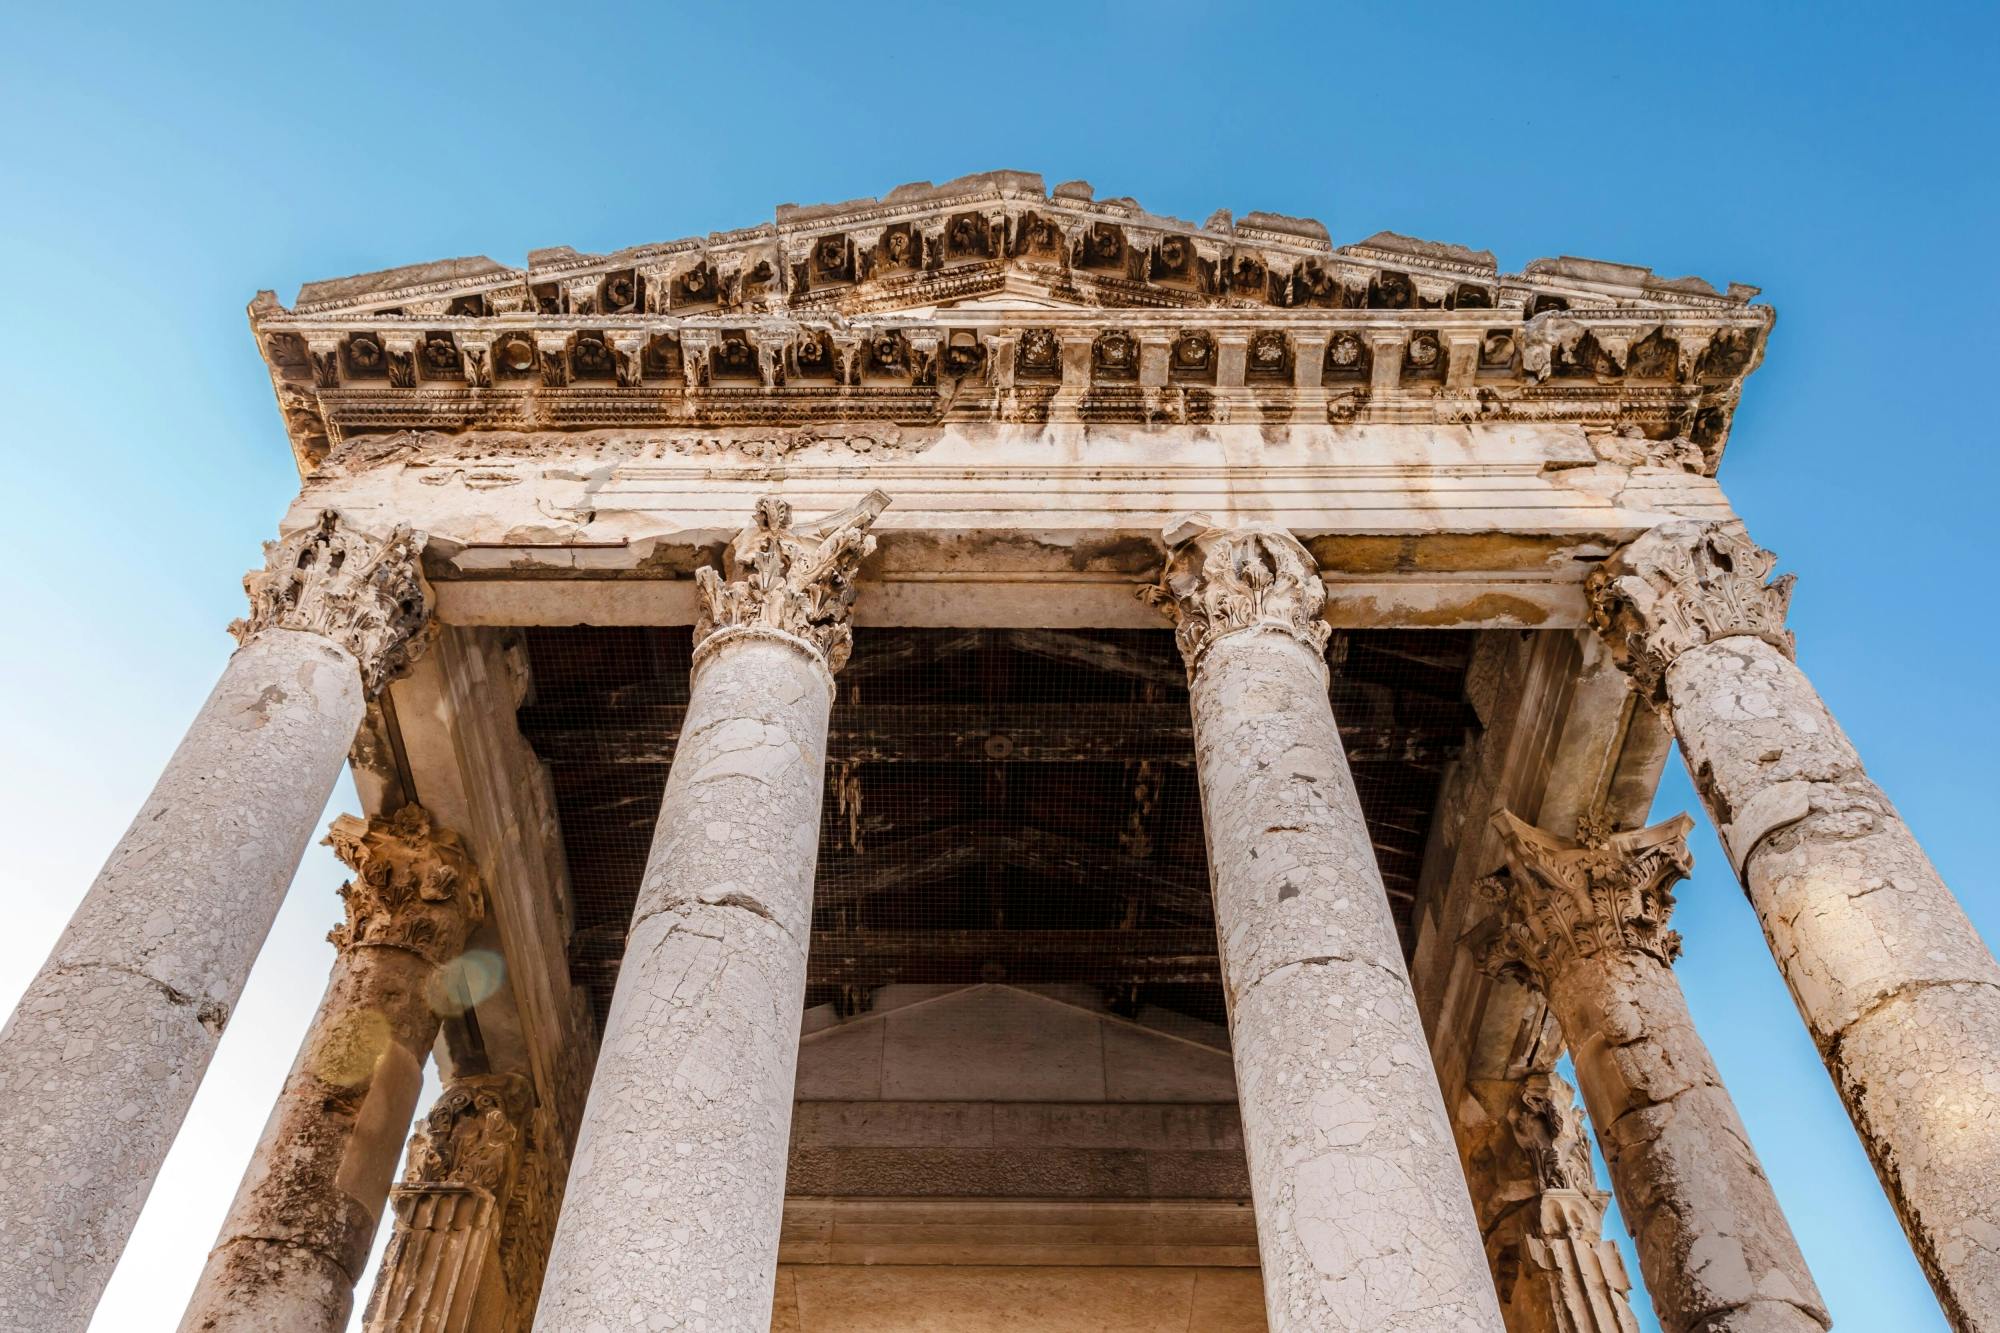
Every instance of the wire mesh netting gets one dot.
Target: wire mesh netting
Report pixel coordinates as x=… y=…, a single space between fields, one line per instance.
x=1001 y=805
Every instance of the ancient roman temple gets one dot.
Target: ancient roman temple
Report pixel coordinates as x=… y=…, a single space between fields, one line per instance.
x=987 y=759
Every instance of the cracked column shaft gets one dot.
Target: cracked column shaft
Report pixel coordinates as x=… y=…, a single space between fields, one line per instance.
x=677 y=1184
x=298 y=1234
x=1363 y=1218
x=105 y=1050
x=1900 y=994
x=1588 y=925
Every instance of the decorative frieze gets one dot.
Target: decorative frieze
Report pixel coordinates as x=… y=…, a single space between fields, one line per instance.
x=1607 y=893
x=415 y=886
x=366 y=594
x=829 y=310
x=1220 y=581
x=792 y=581
x=1682 y=585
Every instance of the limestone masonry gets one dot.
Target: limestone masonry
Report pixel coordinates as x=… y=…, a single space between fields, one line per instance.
x=987 y=759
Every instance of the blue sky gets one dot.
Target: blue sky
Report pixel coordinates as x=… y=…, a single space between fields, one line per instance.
x=159 y=164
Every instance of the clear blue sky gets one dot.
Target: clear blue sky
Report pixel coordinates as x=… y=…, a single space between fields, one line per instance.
x=158 y=164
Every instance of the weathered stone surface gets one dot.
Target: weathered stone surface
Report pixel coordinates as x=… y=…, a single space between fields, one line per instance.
x=463 y=1257
x=298 y=1233
x=103 y=1054
x=682 y=1154
x=1588 y=923
x=1363 y=1218
x=1899 y=991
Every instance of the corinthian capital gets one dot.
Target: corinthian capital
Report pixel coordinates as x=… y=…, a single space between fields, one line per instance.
x=415 y=887
x=366 y=595
x=797 y=582
x=1218 y=581
x=1682 y=585
x=475 y=1134
x=1548 y=1125
x=1610 y=893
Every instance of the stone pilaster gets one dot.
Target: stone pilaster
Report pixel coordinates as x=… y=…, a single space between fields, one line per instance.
x=473 y=1216
x=681 y=1158
x=298 y=1234
x=1555 y=1271
x=1587 y=923
x=1899 y=991
x=1363 y=1220
x=101 y=1058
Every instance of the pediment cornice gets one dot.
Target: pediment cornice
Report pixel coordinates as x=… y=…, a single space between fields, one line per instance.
x=992 y=296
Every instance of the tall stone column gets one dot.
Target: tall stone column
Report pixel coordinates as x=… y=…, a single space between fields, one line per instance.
x=1363 y=1219
x=1588 y=924
x=99 y=1061
x=298 y=1234
x=677 y=1185
x=1555 y=1271
x=1900 y=993
x=472 y=1225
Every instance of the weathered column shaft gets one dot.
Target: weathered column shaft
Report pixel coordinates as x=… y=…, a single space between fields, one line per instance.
x=298 y=1234
x=677 y=1185
x=1899 y=991
x=1588 y=924
x=103 y=1055
x=1363 y=1219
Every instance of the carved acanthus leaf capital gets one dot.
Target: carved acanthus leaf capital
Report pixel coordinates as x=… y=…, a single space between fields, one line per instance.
x=1219 y=581
x=476 y=1133
x=792 y=581
x=1609 y=894
x=1548 y=1125
x=1682 y=585
x=415 y=886
x=365 y=594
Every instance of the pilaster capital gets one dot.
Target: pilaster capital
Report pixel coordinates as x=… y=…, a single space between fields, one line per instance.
x=1220 y=581
x=1682 y=585
x=794 y=583
x=367 y=595
x=1548 y=1125
x=475 y=1135
x=415 y=886
x=1604 y=895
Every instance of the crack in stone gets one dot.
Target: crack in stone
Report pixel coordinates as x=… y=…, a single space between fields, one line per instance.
x=211 y=1014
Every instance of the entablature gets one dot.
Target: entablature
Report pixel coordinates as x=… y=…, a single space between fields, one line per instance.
x=989 y=300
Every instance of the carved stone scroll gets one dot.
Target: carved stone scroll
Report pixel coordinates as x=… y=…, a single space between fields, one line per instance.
x=366 y=595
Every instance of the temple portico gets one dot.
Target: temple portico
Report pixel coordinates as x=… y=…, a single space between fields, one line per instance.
x=988 y=759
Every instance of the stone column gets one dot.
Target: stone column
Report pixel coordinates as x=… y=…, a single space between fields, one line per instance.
x=1900 y=993
x=1555 y=1271
x=103 y=1054
x=1587 y=923
x=1363 y=1220
x=298 y=1234
x=471 y=1229
x=678 y=1180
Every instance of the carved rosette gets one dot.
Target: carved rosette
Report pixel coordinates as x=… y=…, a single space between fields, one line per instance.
x=795 y=583
x=1610 y=893
x=1221 y=581
x=1680 y=586
x=415 y=886
x=368 y=596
